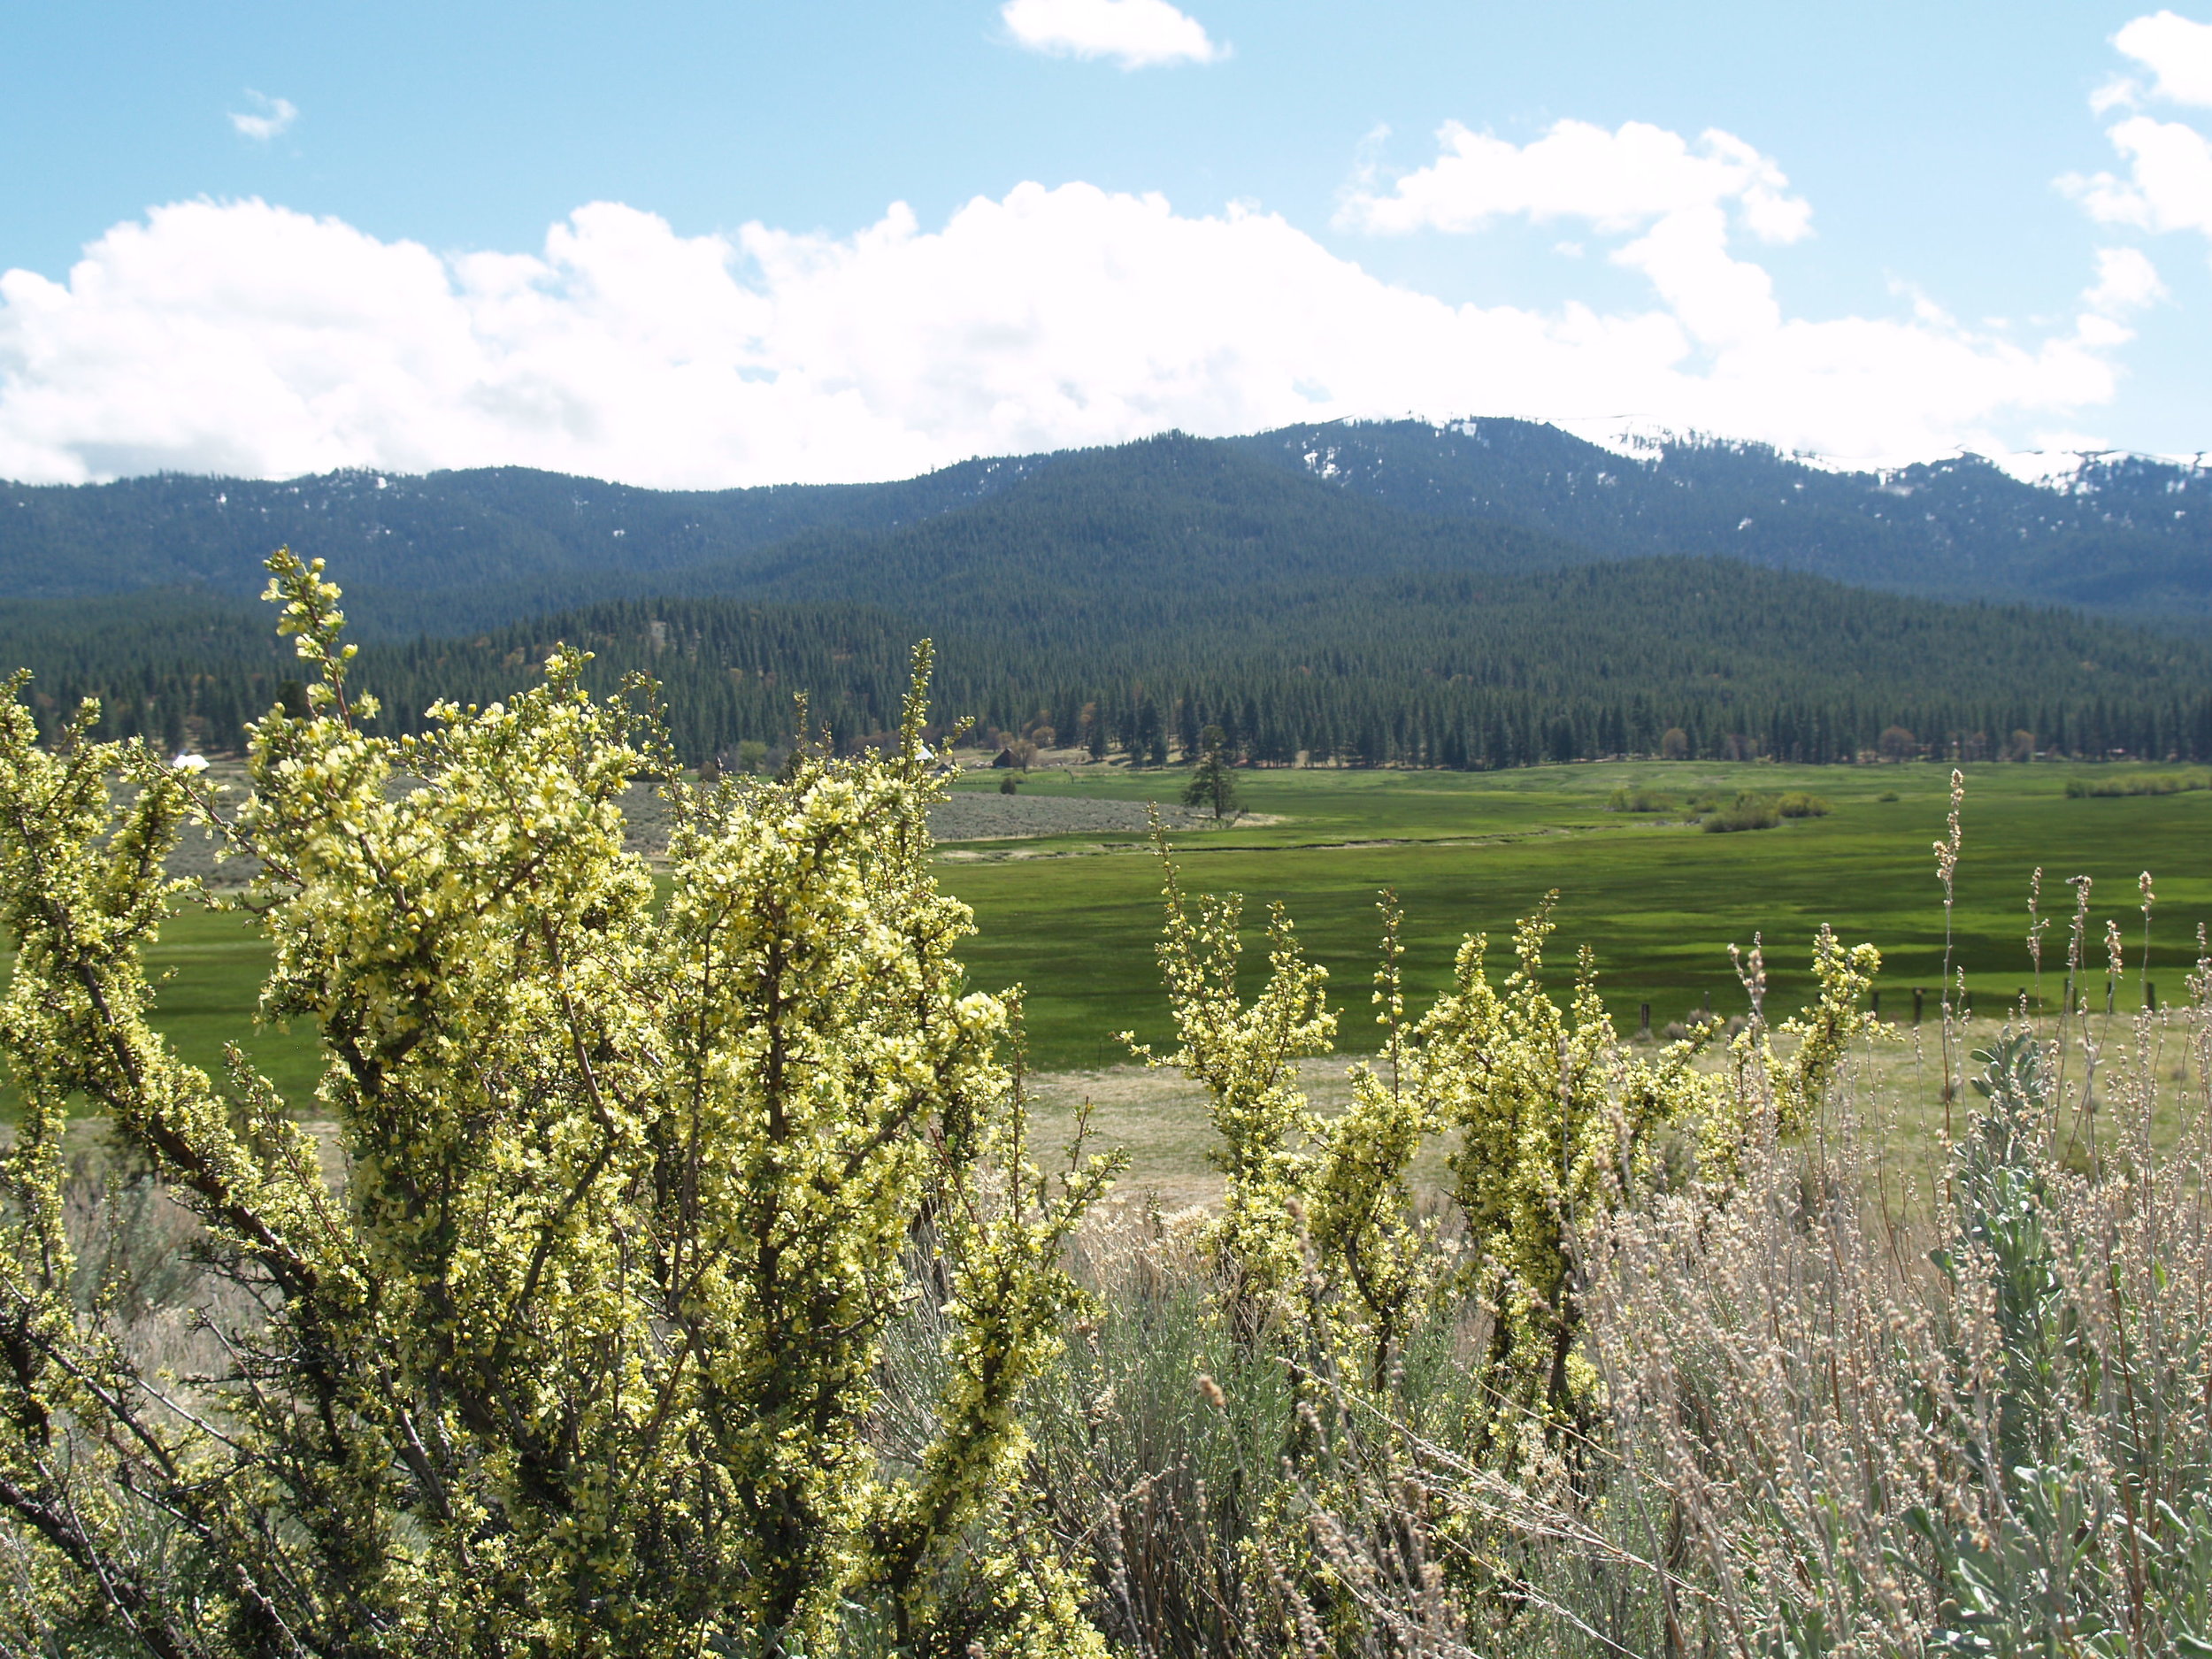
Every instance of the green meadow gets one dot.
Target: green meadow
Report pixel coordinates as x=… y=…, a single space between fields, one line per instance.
x=1656 y=901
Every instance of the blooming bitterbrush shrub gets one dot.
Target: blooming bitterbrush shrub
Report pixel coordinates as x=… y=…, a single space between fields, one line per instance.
x=1421 y=1345
x=576 y=1352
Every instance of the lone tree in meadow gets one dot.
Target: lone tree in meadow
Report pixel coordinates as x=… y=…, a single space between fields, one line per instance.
x=1214 y=782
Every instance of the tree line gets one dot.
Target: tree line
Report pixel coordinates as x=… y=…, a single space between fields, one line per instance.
x=1688 y=658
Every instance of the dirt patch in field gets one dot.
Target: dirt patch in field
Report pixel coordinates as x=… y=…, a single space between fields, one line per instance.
x=1158 y=1118
x=646 y=826
x=971 y=816
x=966 y=816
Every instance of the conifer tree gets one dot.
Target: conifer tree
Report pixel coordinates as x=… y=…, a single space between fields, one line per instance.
x=1214 y=783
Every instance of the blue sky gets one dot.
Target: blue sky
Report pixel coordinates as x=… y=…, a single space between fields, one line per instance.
x=271 y=238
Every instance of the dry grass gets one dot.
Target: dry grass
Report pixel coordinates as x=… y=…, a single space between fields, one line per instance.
x=1158 y=1117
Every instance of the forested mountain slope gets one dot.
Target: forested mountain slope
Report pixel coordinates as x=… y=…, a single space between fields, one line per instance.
x=1488 y=595
x=2123 y=535
x=1111 y=530
x=1119 y=543
x=529 y=534
x=473 y=549
x=1430 y=667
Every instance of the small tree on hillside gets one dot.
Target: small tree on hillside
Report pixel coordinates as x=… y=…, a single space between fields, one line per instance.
x=1214 y=783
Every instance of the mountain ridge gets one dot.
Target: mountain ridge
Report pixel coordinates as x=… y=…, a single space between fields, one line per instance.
x=463 y=551
x=2127 y=535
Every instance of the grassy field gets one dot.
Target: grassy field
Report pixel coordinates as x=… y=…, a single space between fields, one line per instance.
x=1074 y=919
x=1658 y=903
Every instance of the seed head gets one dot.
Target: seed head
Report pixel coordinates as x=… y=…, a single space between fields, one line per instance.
x=1946 y=850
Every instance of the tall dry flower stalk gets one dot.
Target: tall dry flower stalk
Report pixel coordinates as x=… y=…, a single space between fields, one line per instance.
x=1946 y=854
x=2143 y=884
x=2038 y=924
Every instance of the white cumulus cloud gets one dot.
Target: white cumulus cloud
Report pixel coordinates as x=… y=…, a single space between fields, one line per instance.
x=267 y=120
x=2176 y=50
x=242 y=337
x=1681 y=197
x=2126 y=282
x=2168 y=181
x=2168 y=184
x=1135 y=34
x=1618 y=181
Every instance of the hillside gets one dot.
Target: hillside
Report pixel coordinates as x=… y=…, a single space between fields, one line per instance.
x=461 y=551
x=1121 y=542
x=471 y=550
x=465 y=547
x=1349 y=593
x=1425 y=667
x=2127 y=535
